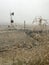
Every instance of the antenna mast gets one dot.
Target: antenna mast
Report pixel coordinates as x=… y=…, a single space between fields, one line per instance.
x=11 y=20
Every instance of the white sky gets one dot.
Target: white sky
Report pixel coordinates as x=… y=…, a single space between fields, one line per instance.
x=24 y=10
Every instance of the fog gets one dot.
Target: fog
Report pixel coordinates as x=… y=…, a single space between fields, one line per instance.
x=23 y=10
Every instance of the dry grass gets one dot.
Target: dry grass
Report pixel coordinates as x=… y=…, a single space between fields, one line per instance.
x=18 y=48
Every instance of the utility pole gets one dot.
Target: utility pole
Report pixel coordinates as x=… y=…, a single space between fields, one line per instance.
x=24 y=25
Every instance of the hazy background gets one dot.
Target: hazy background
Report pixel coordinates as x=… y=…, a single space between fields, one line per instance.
x=24 y=10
